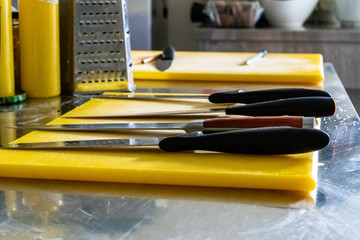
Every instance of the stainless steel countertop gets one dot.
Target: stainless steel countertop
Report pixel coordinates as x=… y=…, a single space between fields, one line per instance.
x=42 y=209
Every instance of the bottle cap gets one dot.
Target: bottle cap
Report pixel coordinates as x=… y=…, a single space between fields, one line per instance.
x=19 y=97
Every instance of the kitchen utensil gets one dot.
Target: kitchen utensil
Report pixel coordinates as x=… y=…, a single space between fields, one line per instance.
x=95 y=46
x=264 y=95
x=167 y=57
x=237 y=96
x=207 y=125
x=273 y=140
x=303 y=106
x=256 y=58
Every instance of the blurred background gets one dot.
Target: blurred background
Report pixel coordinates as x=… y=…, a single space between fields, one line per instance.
x=329 y=27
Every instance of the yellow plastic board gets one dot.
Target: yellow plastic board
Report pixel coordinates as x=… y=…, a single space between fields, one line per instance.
x=220 y=66
x=150 y=165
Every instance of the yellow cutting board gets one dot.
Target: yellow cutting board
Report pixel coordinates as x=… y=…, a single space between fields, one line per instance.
x=150 y=165
x=220 y=66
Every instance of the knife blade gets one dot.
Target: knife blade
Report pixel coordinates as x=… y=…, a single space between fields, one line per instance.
x=167 y=57
x=303 y=106
x=273 y=140
x=207 y=125
x=237 y=96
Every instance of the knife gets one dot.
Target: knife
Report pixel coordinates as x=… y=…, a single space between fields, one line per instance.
x=273 y=140
x=237 y=96
x=256 y=58
x=304 y=106
x=167 y=57
x=207 y=125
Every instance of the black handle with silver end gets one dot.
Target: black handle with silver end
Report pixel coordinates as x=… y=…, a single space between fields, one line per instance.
x=273 y=140
x=278 y=140
x=167 y=57
x=240 y=96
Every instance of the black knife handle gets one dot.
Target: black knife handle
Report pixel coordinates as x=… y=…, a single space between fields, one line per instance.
x=304 y=106
x=168 y=53
x=273 y=140
x=264 y=95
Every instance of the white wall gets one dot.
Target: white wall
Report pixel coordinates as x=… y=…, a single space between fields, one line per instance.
x=180 y=26
x=177 y=29
x=140 y=15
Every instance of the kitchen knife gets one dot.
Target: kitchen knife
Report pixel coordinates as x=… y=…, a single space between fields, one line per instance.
x=207 y=125
x=238 y=96
x=256 y=58
x=167 y=57
x=273 y=140
x=304 y=106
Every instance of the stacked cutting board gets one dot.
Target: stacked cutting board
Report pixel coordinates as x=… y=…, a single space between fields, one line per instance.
x=151 y=165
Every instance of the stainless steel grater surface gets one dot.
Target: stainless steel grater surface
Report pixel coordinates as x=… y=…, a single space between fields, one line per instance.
x=95 y=46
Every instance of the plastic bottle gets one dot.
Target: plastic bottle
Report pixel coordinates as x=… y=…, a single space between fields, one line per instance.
x=39 y=47
x=7 y=82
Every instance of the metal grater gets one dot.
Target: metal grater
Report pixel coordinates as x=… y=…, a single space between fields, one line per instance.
x=95 y=46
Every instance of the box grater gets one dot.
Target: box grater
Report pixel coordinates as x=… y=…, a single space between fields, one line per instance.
x=95 y=46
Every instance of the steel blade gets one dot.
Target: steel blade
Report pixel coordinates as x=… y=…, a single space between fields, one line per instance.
x=107 y=126
x=101 y=143
x=152 y=96
x=154 y=114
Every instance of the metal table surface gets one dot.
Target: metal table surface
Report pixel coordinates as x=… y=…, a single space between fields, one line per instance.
x=43 y=209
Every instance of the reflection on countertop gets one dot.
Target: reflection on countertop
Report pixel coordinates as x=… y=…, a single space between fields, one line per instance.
x=48 y=209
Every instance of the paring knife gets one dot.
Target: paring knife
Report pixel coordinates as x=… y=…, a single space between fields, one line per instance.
x=207 y=125
x=304 y=106
x=256 y=58
x=238 y=96
x=167 y=57
x=273 y=140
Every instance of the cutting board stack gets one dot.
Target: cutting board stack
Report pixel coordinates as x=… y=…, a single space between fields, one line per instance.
x=151 y=165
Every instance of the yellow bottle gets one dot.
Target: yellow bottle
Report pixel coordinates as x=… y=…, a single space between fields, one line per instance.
x=7 y=82
x=39 y=47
